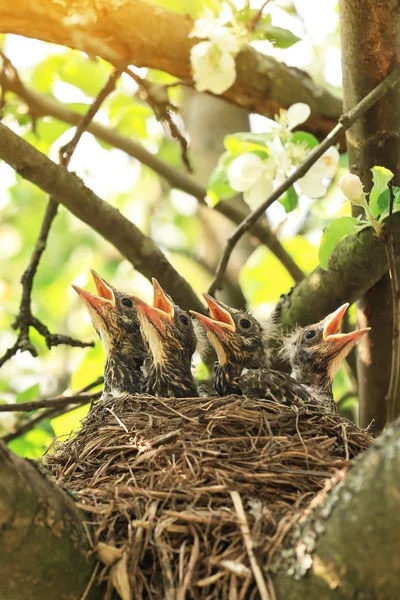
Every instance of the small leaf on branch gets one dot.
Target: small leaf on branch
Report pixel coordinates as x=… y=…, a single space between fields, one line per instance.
x=242 y=142
x=290 y=200
x=302 y=137
x=218 y=184
x=380 y=177
x=334 y=234
x=281 y=38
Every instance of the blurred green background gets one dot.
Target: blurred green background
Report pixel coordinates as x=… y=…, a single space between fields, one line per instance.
x=170 y=217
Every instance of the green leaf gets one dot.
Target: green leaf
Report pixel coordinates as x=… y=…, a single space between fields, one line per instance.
x=384 y=201
x=30 y=394
x=381 y=177
x=86 y=74
x=218 y=184
x=242 y=142
x=290 y=200
x=334 y=234
x=302 y=137
x=282 y=38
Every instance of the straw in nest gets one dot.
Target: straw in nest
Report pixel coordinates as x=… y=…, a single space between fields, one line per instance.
x=192 y=498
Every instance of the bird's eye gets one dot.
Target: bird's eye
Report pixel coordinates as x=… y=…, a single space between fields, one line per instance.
x=127 y=302
x=184 y=319
x=245 y=323
x=310 y=334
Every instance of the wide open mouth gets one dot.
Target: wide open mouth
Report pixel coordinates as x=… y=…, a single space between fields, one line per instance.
x=331 y=329
x=220 y=319
x=93 y=301
x=103 y=289
x=161 y=300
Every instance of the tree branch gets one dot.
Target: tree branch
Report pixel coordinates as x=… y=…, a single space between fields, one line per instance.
x=344 y=123
x=80 y=398
x=41 y=105
x=342 y=547
x=124 y=32
x=44 y=534
x=25 y=318
x=69 y=190
x=357 y=264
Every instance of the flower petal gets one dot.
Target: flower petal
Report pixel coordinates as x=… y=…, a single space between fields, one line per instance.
x=213 y=69
x=244 y=171
x=297 y=114
x=225 y=39
x=311 y=186
x=258 y=192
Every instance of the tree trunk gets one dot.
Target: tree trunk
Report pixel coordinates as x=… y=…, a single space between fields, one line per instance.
x=370 y=42
x=44 y=545
x=347 y=546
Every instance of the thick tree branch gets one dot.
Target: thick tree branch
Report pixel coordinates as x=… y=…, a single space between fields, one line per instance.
x=125 y=31
x=68 y=190
x=25 y=319
x=370 y=50
x=346 y=546
x=356 y=265
x=47 y=550
x=41 y=105
x=345 y=122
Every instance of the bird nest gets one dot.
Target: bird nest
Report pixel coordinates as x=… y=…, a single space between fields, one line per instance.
x=192 y=498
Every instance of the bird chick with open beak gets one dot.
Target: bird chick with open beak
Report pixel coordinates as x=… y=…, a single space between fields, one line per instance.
x=113 y=314
x=315 y=353
x=169 y=335
x=239 y=341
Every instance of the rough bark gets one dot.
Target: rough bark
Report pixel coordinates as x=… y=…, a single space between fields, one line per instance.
x=125 y=31
x=45 y=549
x=370 y=50
x=357 y=264
x=347 y=545
x=68 y=190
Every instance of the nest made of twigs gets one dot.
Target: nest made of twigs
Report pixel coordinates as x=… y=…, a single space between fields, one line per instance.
x=170 y=485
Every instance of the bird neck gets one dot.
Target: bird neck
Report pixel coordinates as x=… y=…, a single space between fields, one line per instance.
x=320 y=382
x=122 y=373
x=226 y=379
x=171 y=378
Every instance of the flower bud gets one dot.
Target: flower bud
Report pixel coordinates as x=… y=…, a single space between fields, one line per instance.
x=352 y=188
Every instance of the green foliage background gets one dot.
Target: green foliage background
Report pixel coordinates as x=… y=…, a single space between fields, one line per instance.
x=168 y=216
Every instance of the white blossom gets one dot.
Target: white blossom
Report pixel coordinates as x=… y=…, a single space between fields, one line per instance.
x=250 y=174
x=213 y=60
x=352 y=187
x=213 y=69
x=311 y=184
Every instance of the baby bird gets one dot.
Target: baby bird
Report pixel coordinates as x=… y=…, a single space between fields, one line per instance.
x=113 y=314
x=169 y=335
x=239 y=341
x=315 y=353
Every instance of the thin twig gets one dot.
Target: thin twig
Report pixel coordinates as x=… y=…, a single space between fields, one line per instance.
x=49 y=413
x=162 y=108
x=25 y=319
x=49 y=403
x=392 y=405
x=252 y=24
x=337 y=132
x=248 y=542
x=42 y=105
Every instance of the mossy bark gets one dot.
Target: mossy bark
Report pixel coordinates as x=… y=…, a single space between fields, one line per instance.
x=45 y=551
x=370 y=32
x=347 y=545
